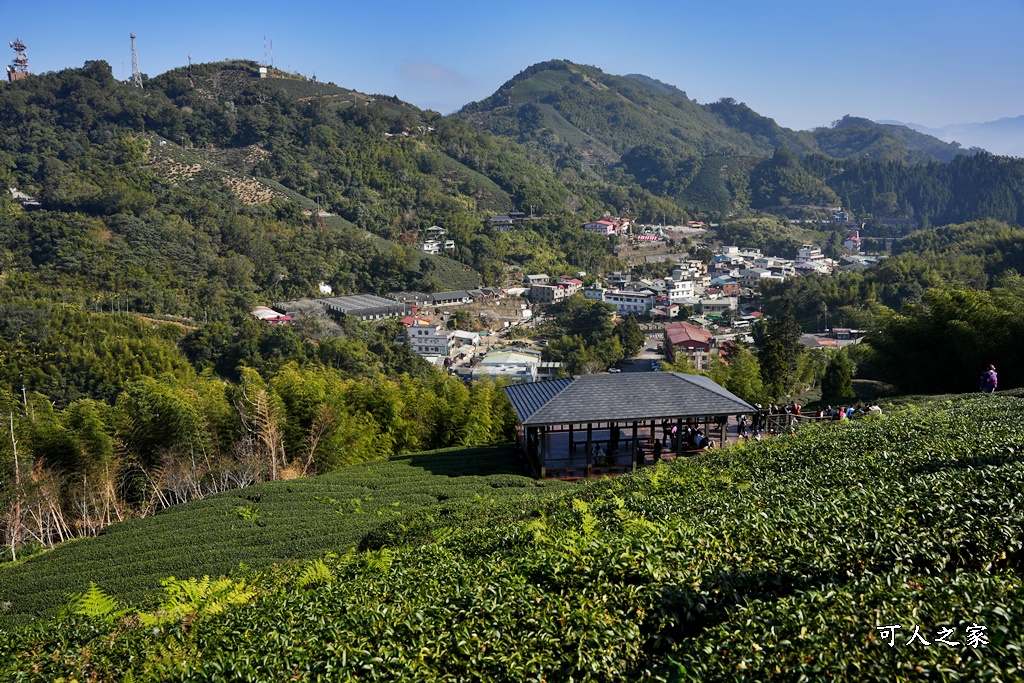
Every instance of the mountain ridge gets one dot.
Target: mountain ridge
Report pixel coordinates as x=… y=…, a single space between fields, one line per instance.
x=1003 y=136
x=605 y=111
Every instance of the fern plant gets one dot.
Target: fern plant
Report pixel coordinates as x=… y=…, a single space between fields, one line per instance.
x=315 y=574
x=195 y=597
x=96 y=604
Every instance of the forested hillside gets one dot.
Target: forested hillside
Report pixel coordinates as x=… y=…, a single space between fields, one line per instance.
x=635 y=129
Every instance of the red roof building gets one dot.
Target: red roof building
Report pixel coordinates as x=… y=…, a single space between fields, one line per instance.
x=691 y=340
x=688 y=336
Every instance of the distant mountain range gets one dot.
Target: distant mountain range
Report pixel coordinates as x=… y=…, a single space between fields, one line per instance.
x=576 y=114
x=1005 y=136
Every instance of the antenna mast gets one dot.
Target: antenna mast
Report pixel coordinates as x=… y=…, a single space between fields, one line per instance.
x=18 y=68
x=136 y=74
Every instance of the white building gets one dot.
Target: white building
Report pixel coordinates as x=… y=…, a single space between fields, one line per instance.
x=678 y=290
x=810 y=259
x=639 y=303
x=752 y=277
x=430 y=340
x=430 y=247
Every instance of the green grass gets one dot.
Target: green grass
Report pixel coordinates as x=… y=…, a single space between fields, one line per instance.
x=260 y=525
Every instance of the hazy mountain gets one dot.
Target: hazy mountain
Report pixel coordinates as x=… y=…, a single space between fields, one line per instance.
x=1004 y=136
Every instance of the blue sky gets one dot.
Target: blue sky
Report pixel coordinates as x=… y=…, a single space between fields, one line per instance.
x=804 y=63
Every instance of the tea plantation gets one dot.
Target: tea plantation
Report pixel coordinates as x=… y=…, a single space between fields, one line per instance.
x=788 y=560
x=274 y=522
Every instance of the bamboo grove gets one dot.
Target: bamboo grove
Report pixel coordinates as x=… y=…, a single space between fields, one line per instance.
x=167 y=438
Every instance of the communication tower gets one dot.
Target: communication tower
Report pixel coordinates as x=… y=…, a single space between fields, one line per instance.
x=18 y=68
x=136 y=74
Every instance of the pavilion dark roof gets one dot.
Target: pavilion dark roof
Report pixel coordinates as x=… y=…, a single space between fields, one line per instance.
x=623 y=398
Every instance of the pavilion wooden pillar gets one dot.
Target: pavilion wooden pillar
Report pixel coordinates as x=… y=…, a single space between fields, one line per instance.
x=590 y=449
x=679 y=438
x=542 y=451
x=634 y=447
x=725 y=430
x=572 y=444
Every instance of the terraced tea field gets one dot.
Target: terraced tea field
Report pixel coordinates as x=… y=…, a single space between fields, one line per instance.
x=269 y=523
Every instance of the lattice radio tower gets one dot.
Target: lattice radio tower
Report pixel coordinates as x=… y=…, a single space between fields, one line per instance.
x=136 y=74
x=18 y=68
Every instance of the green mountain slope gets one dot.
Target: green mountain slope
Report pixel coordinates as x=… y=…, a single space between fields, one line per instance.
x=602 y=116
x=637 y=129
x=598 y=112
x=780 y=560
x=851 y=136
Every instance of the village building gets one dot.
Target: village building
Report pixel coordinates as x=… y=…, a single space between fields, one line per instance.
x=677 y=291
x=718 y=307
x=538 y=279
x=608 y=226
x=455 y=298
x=691 y=340
x=431 y=340
x=853 y=242
x=521 y=366
x=548 y=293
x=571 y=284
x=501 y=223
x=626 y=302
x=361 y=306
x=270 y=316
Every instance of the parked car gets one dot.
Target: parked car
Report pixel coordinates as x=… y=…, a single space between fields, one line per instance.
x=614 y=370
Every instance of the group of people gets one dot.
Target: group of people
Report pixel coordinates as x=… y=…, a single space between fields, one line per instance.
x=692 y=438
x=778 y=419
x=847 y=412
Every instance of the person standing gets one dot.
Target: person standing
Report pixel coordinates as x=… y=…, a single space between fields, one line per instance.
x=989 y=380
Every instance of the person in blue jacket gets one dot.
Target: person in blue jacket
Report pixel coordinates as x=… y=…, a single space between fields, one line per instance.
x=989 y=380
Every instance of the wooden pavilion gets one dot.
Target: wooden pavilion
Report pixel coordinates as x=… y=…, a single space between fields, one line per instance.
x=595 y=425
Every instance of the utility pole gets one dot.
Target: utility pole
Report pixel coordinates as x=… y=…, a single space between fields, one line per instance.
x=15 y=525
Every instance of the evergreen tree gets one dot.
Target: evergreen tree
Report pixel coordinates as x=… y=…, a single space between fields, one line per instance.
x=629 y=333
x=837 y=383
x=781 y=351
x=669 y=350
